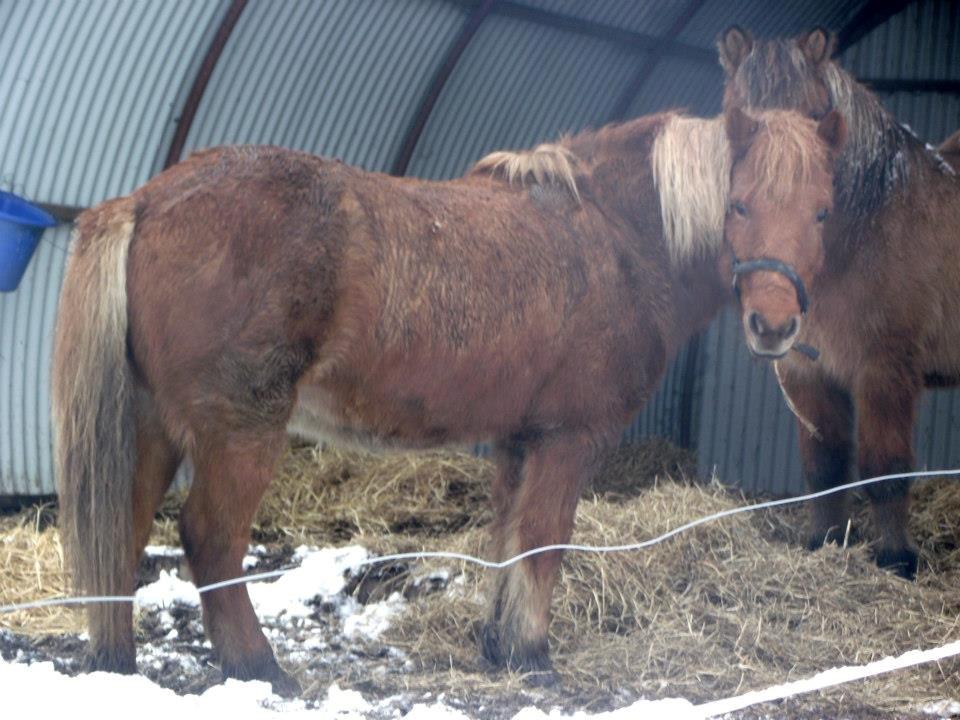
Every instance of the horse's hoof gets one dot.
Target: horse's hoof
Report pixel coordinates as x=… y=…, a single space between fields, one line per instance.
x=542 y=678
x=281 y=682
x=902 y=561
x=284 y=685
x=102 y=661
x=488 y=641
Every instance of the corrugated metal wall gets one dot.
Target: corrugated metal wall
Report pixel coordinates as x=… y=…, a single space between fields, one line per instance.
x=98 y=86
x=518 y=84
x=339 y=78
x=90 y=93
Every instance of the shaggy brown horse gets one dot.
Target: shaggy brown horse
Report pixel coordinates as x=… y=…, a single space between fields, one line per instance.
x=534 y=303
x=885 y=311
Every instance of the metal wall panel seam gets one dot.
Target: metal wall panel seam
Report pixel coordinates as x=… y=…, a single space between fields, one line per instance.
x=389 y=145
x=106 y=175
x=91 y=103
x=195 y=82
x=270 y=86
x=196 y=45
x=452 y=56
x=43 y=127
x=316 y=101
x=24 y=49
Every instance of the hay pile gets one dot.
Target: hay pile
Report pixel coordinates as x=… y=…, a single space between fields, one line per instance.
x=725 y=608
x=32 y=562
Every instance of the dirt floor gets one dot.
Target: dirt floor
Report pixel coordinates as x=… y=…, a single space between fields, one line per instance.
x=725 y=608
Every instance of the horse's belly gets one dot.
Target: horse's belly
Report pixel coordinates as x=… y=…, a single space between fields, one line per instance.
x=324 y=416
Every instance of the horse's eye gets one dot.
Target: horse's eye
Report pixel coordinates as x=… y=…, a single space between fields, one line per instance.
x=822 y=215
x=739 y=208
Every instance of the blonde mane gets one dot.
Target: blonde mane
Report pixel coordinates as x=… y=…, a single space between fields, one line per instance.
x=691 y=170
x=784 y=154
x=544 y=165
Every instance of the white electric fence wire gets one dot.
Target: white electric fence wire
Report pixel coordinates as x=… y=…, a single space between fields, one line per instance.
x=444 y=555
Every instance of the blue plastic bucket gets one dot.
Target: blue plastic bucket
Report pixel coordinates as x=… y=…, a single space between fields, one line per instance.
x=21 y=225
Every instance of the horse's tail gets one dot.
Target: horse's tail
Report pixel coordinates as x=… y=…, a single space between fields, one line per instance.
x=93 y=418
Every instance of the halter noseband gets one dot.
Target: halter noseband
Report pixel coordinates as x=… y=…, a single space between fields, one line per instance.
x=773 y=265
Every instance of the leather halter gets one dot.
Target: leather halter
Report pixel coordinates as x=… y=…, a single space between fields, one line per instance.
x=773 y=265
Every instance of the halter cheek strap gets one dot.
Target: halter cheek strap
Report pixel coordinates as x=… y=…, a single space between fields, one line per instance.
x=773 y=265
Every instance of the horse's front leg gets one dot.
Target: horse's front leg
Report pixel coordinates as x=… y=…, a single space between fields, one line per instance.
x=825 y=430
x=535 y=496
x=886 y=408
x=230 y=476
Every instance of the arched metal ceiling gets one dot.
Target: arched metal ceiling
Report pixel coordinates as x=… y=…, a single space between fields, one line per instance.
x=106 y=91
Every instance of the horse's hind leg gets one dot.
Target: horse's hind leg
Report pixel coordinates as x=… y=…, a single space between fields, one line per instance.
x=885 y=414
x=231 y=473
x=541 y=512
x=157 y=462
x=825 y=431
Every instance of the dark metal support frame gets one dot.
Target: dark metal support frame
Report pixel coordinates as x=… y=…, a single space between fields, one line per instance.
x=192 y=103
x=646 y=70
x=454 y=53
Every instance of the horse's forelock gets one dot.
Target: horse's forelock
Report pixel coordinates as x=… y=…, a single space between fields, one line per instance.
x=785 y=155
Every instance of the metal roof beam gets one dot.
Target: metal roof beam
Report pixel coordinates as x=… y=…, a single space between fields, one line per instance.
x=628 y=39
x=192 y=103
x=888 y=85
x=646 y=70
x=870 y=15
x=430 y=97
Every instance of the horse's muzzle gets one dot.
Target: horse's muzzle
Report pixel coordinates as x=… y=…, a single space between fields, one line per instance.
x=739 y=268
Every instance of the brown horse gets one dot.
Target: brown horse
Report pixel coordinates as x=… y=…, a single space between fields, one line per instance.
x=885 y=311
x=534 y=303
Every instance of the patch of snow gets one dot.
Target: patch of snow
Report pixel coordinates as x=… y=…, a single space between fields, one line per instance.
x=321 y=574
x=943 y=709
x=345 y=704
x=167 y=590
x=374 y=619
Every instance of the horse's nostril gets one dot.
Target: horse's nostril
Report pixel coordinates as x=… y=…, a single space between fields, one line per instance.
x=791 y=327
x=756 y=324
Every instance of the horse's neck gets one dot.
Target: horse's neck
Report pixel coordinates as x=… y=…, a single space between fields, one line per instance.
x=699 y=293
x=882 y=159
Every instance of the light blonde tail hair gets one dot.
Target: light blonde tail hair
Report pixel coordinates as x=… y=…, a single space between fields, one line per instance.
x=93 y=417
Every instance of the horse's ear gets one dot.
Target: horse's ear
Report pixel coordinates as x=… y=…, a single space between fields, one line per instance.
x=740 y=130
x=832 y=129
x=817 y=46
x=734 y=45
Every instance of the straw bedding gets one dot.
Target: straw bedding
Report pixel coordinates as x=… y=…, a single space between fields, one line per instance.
x=727 y=607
